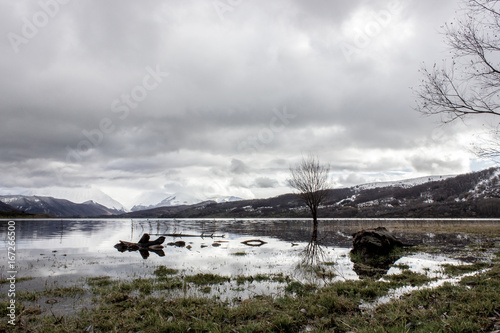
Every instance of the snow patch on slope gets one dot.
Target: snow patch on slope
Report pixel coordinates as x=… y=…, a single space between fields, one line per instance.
x=489 y=186
x=406 y=183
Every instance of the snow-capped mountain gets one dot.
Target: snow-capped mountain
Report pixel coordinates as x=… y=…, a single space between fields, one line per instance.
x=6 y=208
x=78 y=195
x=180 y=199
x=56 y=207
x=177 y=199
x=227 y=199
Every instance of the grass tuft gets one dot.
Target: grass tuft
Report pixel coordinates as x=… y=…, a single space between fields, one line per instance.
x=455 y=270
x=162 y=271
x=99 y=281
x=205 y=279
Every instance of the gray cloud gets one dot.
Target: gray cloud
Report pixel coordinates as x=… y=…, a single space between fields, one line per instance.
x=265 y=182
x=211 y=124
x=238 y=167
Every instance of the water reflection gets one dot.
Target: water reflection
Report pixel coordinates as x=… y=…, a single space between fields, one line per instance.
x=375 y=267
x=65 y=250
x=314 y=253
x=143 y=252
x=319 y=264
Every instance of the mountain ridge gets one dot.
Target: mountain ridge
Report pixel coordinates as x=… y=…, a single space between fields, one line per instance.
x=51 y=206
x=181 y=199
x=475 y=194
x=77 y=195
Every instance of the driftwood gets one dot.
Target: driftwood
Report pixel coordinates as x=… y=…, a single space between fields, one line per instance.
x=143 y=244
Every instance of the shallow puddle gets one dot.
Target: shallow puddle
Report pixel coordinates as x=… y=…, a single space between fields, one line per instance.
x=399 y=292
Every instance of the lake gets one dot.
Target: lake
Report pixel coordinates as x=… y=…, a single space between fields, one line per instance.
x=65 y=252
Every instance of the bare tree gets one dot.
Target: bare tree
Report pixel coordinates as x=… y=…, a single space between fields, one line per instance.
x=310 y=179
x=470 y=85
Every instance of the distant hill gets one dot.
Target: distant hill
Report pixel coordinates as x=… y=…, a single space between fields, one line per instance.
x=180 y=199
x=7 y=208
x=475 y=194
x=77 y=195
x=50 y=206
x=7 y=211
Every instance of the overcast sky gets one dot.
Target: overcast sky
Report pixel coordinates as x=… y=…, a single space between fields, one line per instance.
x=216 y=98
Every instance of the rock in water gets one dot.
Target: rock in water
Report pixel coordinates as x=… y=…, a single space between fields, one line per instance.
x=374 y=242
x=178 y=244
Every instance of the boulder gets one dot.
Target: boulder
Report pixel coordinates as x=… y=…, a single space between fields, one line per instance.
x=374 y=242
x=372 y=253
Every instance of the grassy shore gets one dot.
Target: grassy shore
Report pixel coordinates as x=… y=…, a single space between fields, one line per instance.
x=139 y=306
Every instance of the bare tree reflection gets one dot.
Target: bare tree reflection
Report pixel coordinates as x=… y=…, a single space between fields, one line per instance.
x=314 y=253
x=314 y=266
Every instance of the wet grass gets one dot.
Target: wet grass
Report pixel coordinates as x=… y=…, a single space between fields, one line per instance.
x=99 y=281
x=65 y=292
x=468 y=307
x=162 y=271
x=59 y=292
x=407 y=278
x=299 y=288
x=471 y=306
x=401 y=266
x=18 y=280
x=206 y=279
x=455 y=270
x=489 y=228
x=29 y=296
x=281 y=278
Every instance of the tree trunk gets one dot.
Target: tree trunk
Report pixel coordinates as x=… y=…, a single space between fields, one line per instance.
x=314 y=213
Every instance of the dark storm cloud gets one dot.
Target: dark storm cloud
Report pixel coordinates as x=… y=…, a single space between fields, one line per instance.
x=267 y=81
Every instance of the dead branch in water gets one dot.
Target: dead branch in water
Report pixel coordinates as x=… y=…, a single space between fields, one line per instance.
x=192 y=235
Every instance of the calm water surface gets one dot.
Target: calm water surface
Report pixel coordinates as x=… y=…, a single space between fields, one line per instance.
x=65 y=252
